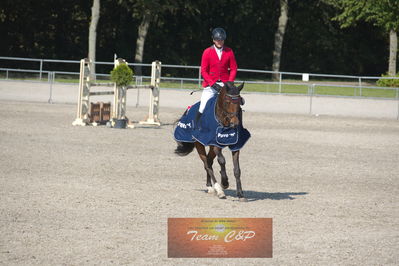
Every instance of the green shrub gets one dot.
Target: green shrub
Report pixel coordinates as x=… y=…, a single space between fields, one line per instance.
x=388 y=82
x=122 y=75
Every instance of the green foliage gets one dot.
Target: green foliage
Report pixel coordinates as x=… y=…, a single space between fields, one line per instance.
x=122 y=75
x=388 y=82
x=382 y=13
x=312 y=43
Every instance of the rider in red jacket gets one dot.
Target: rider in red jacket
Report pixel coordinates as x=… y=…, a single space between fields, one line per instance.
x=218 y=65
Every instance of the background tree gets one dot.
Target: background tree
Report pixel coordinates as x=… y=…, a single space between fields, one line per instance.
x=382 y=13
x=279 y=37
x=180 y=30
x=142 y=35
x=149 y=12
x=44 y=29
x=95 y=16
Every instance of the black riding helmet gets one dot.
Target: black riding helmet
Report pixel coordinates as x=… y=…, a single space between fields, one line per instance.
x=218 y=34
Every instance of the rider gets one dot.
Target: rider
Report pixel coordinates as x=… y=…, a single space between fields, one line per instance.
x=218 y=65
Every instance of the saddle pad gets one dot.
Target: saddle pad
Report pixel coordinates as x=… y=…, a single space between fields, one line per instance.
x=185 y=126
x=208 y=131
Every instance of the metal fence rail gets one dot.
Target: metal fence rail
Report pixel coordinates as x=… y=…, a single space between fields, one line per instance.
x=360 y=80
x=188 y=83
x=356 y=87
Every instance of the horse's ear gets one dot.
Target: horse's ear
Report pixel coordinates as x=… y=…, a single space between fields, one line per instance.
x=241 y=86
x=229 y=84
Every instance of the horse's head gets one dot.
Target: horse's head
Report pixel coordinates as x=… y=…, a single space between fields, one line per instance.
x=229 y=104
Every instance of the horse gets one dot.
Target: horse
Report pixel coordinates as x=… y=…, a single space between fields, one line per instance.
x=228 y=112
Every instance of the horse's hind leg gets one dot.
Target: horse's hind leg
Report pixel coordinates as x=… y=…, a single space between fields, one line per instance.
x=209 y=186
x=222 y=163
x=210 y=157
x=237 y=174
x=208 y=167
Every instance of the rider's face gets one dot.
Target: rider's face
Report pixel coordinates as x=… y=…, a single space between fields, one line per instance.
x=219 y=44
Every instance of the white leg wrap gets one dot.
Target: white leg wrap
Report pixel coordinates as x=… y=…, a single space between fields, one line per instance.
x=219 y=190
x=211 y=190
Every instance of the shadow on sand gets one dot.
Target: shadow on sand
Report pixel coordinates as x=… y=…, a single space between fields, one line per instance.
x=256 y=195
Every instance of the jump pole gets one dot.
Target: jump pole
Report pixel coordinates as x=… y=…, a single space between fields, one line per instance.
x=82 y=116
x=153 y=110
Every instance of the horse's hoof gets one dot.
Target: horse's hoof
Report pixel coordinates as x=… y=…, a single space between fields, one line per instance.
x=243 y=200
x=222 y=196
x=225 y=186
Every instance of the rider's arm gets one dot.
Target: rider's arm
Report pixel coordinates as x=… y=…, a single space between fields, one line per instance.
x=233 y=67
x=205 y=66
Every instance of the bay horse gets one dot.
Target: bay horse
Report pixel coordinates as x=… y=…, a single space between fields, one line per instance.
x=229 y=114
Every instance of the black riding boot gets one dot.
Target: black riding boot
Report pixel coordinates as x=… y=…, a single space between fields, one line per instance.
x=197 y=118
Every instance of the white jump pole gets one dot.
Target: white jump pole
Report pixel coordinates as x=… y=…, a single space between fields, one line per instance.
x=82 y=116
x=153 y=111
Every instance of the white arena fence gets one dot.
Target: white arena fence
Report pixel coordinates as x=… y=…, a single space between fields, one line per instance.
x=40 y=72
x=289 y=83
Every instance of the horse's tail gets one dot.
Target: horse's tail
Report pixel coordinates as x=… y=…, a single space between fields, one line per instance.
x=184 y=148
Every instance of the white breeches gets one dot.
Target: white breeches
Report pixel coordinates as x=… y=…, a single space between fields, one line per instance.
x=207 y=93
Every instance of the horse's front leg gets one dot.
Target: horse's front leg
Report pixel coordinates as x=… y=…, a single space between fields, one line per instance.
x=237 y=174
x=222 y=163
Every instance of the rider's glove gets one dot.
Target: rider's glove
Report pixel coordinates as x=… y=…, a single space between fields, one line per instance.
x=216 y=87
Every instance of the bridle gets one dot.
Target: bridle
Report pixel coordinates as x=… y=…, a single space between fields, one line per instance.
x=235 y=99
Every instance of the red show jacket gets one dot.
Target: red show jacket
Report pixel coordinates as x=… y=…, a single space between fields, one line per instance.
x=213 y=69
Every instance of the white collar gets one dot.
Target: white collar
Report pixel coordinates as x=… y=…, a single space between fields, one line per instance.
x=219 y=49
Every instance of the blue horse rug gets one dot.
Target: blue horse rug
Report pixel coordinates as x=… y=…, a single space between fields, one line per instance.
x=209 y=131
